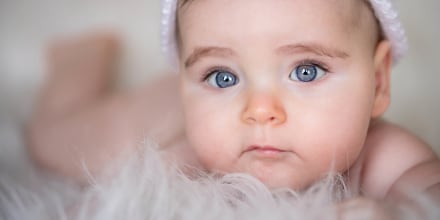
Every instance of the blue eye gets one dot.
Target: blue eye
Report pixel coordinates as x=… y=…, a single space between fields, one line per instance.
x=222 y=79
x=307 y=73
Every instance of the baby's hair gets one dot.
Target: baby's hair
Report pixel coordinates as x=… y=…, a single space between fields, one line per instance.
x=182 y=3
x=380 y=33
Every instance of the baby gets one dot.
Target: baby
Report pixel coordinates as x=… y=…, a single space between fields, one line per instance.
x=285 y=90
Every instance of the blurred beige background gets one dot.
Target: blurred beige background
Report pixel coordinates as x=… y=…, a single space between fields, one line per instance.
x=26 y=27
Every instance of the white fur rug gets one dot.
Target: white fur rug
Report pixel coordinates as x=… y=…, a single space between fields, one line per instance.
x=145 y=188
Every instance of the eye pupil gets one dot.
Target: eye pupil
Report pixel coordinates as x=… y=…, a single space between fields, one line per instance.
x=306 y=73
x=225 y=79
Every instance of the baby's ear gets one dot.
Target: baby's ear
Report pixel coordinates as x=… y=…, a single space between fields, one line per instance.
x=382 y=71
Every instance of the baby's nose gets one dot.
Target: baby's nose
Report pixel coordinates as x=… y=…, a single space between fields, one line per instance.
x=264 y=109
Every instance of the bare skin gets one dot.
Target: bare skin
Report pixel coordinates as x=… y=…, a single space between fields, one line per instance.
x=80 y=122
x=85 y=121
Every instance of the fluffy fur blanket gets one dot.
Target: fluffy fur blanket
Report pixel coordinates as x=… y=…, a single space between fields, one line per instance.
x=146 y=188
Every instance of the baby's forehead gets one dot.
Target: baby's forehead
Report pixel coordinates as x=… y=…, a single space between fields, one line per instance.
x=352 y=11
x=349 y=15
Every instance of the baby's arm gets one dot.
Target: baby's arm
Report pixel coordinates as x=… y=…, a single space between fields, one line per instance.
x=396 y=161
x=78 y=120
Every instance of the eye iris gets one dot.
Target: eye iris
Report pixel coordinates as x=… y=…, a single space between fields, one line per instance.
x=306 y=73
x=225 y=79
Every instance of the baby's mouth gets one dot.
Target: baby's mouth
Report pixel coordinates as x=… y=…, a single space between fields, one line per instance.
x=265 y=151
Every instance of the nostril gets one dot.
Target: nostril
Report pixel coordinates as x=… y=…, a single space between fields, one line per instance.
x=263 y=116
x=262 y=110
x=263 y=119
x=250 y=120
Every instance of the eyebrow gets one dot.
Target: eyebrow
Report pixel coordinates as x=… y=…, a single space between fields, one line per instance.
x=312 y=48
x=317 y=49
x=200 y=52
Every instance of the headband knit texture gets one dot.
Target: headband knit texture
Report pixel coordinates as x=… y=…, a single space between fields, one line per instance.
x=383 y=9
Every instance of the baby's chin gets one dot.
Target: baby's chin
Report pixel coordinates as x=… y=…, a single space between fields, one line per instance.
x=273 y=175
x=281 y=175
x=282 y=179
x=281 y=182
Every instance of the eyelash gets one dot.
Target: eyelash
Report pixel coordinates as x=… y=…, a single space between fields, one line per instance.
x=213 y=70
x=315 y=62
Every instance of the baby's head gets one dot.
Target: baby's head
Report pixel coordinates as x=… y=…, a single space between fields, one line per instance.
x=282 y=89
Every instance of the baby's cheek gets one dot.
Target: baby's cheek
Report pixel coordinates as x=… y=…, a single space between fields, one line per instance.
x=200 y=140
x=336 y=141
x=212 y=143
x=347 y=148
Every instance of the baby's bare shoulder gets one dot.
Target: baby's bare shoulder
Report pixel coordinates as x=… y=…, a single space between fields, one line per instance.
x=392 y=139
x=390 y=153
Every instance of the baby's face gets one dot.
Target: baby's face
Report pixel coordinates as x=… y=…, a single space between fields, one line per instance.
x=280 y=89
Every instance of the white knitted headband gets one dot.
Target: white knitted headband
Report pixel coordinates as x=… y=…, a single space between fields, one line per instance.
x=384 y=11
